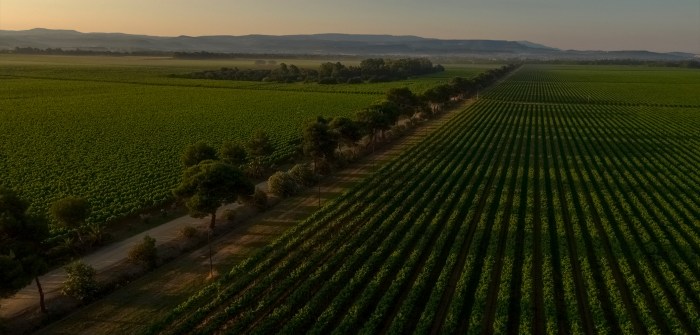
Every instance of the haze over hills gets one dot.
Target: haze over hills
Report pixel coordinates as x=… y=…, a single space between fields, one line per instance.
x=317 y=44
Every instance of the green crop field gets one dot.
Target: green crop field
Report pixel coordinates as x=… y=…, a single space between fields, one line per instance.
x=112 y=128
x=535 y=210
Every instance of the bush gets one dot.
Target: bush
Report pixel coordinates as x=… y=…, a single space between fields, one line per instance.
x=96 y=234
x=145 y=253
x=255 y=168
x=260 y=199
x=80 y=282
x=282 y=184
x=188 y=232
x=302 y=174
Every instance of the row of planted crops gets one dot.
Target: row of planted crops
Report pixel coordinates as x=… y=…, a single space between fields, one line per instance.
x=513 y=218
x=113 y=134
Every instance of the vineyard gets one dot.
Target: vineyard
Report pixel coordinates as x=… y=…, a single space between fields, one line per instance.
x=112 y=129
x=535 y=210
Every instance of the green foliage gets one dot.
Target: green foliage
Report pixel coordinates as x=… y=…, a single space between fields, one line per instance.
x=233 y=153
x=302 y=174
x=282 y=184
x=319 y=141
x=188 y=231
x=259 y=144
x=144 y=253
x=70 y=212
x=134 y=159
x=21 y=249
x=52 y=110
x=404 y=99
x=210 y=184
x=12 y=275
x=346 y=130
x=255 y=168
x=80 y=281
x=196 y=153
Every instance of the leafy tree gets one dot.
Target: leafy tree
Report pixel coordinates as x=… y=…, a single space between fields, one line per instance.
x=71 y=212
x=12 y=276
x=21 y=250
x=347 y=131
x=195 y=153
x=404 y=99
x=376 y=118
x=372 y=67
x=233 y=153
x=372 y=120
x=260 y=145
x=437 y=95
x=80 y=281
x=210 y=184
x=462 y=86
x=319 y=141
x=390 y=110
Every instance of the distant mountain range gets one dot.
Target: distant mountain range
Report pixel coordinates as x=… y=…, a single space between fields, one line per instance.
x=318 y=44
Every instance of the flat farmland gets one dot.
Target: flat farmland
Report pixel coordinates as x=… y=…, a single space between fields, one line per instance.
x=535 y=213
x=112 y=128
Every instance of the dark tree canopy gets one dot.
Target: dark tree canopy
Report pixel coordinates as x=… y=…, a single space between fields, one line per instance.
x=71 y=211
x=195 y=153
x=12 y=275
x=370 y=70
x=21 y=251
x=372 y=119
x=319 y=141
x=233 y=153
x=208 y=185
x=404 y=99
x=346 y=130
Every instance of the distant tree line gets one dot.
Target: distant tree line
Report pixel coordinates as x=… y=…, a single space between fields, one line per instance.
x=370 y=70
x=81 y=52
x=217 y=55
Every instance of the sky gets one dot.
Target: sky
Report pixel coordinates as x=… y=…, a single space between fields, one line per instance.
x=655 y=25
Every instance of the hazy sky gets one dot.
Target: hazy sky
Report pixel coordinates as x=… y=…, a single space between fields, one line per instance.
x=657 y=25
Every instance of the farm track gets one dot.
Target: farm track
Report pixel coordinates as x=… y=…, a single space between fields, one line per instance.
x=555 y=217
